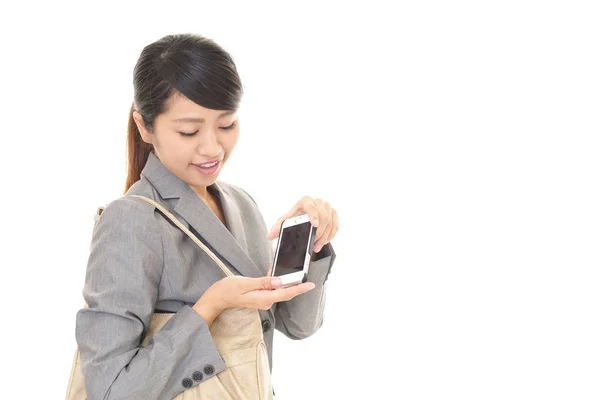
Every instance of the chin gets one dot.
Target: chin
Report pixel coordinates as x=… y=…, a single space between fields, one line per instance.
x=204 y=182
x=207 y=180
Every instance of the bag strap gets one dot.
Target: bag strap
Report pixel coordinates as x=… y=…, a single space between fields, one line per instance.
x=166 y=212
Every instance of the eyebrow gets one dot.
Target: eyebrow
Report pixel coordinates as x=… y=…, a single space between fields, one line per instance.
x=191 y=119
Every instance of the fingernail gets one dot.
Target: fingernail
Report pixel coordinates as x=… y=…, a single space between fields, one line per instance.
x=316 y=223
x=276 y=282
x=317 y=249
x=311 y=287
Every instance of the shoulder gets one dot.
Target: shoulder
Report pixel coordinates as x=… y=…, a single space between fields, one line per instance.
x=129 y=208
x=127 y=226
x=128 y=216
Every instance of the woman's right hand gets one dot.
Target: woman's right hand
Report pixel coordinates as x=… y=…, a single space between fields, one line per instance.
x=245 y=292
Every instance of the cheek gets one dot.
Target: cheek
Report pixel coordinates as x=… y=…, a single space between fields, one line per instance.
x=177 y=150
x=228 y=142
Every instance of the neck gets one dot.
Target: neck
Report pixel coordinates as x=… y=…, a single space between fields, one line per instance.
x=202 y=192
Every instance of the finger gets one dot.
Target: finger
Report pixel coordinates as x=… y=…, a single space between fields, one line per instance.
x=274 y=232
x=297 y=209
x=323 y=240
x=323 y=218
x=266 y=298
x=263 y=283
x=312 y=209
x=289 y=293
x=335 y=225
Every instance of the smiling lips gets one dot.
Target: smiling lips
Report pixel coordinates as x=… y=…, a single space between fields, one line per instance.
x=207 y=165
x=208 y=168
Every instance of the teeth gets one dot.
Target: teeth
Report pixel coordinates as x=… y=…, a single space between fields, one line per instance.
x=208 y=165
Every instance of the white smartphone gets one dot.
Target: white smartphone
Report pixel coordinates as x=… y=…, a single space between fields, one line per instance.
x=294 y=250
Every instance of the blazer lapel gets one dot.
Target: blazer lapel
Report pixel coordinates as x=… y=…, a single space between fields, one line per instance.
x=231 y=247
x=224 y=243
x=233 y=218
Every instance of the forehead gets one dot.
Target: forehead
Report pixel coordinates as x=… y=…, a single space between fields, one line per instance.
x=179 y=106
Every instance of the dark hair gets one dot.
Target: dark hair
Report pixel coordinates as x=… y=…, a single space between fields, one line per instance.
x=190 y=64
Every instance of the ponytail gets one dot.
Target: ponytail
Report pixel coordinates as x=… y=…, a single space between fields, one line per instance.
x=137 y=152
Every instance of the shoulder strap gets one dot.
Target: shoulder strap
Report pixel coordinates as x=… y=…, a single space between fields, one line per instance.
x=166 y=213
x=99 y=212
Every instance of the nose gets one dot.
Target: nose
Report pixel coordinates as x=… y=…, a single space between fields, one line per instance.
x=208 y=145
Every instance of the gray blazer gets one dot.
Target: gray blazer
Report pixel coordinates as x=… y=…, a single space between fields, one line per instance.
x=140 y=263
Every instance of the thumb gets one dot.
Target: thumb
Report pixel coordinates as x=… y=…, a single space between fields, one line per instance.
x=265 y=283
x=274 y=232
x=277 y=227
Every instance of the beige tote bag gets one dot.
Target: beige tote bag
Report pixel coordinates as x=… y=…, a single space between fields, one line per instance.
x=238 y=335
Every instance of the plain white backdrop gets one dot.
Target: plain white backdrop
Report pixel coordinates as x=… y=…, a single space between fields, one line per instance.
x=459 y=142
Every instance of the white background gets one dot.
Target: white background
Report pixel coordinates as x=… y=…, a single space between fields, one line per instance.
x=459 y=142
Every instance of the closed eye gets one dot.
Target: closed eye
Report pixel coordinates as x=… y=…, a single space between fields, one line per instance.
x=225 y=128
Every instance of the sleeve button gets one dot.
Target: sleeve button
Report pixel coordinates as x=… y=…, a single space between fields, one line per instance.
x=187 y=383
x=266 y=325
x=208 y=370
x=197 y=376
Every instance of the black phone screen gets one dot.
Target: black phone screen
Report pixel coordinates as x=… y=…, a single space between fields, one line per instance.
x=292 y=249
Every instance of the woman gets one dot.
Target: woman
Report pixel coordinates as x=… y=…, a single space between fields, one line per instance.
x=183 y=128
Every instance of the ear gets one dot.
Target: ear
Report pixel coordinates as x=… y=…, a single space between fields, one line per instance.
x=146 y=136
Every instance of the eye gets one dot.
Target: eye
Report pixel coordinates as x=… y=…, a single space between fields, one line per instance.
x=227 y=128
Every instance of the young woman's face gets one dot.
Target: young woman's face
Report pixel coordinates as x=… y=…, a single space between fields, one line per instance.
x=187 y=135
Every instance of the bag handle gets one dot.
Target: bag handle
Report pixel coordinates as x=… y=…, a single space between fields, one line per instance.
x=166 y=212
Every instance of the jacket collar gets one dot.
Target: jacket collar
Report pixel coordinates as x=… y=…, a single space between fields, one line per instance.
x=229 y=245
x=168 y=185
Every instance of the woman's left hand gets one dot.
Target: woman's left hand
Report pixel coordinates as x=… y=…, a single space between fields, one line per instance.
x=322 y=216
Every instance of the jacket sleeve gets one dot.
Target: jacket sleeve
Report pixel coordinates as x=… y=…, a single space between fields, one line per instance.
x=302 y=316
x=121 y=287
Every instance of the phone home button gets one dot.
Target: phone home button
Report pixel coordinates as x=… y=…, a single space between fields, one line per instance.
x=266 y=325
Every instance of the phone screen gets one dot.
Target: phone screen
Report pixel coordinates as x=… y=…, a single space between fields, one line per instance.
x=292 y=249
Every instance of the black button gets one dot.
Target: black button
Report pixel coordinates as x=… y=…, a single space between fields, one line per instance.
x=197 y=376
x=266 y=325
x=208 y=370
x=187 y=383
